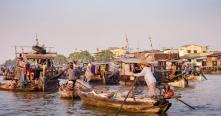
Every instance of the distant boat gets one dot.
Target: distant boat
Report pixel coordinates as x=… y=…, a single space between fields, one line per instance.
x=181 y=83
x=195 y=78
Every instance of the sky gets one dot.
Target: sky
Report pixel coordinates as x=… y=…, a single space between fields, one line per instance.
x=68 y=25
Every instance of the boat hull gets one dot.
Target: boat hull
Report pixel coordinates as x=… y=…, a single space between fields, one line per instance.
x=129 y=106
x=181 y=83
x=194 y=78
x=70 y=94
x=6 y=88
x=128 y=80
x=47 y=86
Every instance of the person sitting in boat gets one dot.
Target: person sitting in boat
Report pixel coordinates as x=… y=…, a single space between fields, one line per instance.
x=13 y=84
x=172 y=74
x=149 y=78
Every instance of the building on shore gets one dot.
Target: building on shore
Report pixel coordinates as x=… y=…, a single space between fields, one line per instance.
x=192 y=49
x=195 y=54
x=170 y=51
x=213 y=64
x=118 y=52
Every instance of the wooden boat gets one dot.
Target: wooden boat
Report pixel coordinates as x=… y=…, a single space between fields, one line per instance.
x=30 y=63
x=70 y=93
x=7 y=87
x=181 y=83
x=44 y=86
x=195 y=78
x=105 y=72
x=7 y=78
x=67 y=93
x=128 y=67
x=140 y=105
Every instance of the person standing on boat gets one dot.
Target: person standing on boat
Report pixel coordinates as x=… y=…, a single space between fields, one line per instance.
x=88 y=73
x=149 y=78
x=71 y=76
x=20 y=68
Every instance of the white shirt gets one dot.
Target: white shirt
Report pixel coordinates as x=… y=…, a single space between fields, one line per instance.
x=148 y=75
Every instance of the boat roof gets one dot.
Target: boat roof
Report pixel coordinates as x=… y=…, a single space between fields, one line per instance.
x=40 y=56
x=130 y=60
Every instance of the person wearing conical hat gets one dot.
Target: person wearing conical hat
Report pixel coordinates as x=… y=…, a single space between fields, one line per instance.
x=149 y=78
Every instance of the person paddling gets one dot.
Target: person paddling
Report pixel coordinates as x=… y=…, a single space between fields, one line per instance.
x=149 y=78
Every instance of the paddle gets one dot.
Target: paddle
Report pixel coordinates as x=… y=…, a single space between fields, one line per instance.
x=200 y=73
x=184 y=103
x=203 y=76
x=134 y=82
x=58 y=75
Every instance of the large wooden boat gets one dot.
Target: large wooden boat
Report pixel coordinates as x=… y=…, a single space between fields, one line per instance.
x=35 y=70
x=140 y=105
x=181 y=83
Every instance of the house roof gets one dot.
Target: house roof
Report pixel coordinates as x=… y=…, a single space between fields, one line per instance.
x=190 y=56
x=215 y=55
x=187 y=45
x=40 y=56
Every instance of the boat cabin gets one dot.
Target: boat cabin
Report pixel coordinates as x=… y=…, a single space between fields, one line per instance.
x=127 y=68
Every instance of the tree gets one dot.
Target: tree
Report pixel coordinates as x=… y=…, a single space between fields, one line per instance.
x=104 y=55
x=60 y=60
x=82 y=56
x=10 y=63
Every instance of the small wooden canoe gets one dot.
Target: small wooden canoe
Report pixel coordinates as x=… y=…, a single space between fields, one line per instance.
x=5 y=87
x=140 y=105
x=70 y=93
x=195 y=78
x=7 y=78
x=181 y=83
x=49 y=86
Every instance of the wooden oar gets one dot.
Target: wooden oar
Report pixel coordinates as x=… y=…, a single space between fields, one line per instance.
x=203 y=76
x=184 y=103
x=200 y=73
x=58 y=75
x=134 y=82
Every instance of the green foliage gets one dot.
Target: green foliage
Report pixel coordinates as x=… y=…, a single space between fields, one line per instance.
x=82 y=56
x=10 y=63
x=104 y=55
x=60 y=60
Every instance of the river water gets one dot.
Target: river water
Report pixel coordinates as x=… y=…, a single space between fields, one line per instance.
x=205 y=96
